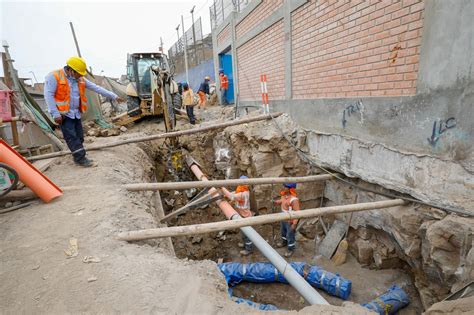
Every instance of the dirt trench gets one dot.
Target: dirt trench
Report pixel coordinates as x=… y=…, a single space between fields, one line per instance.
x=398 y=245
x=402 y=245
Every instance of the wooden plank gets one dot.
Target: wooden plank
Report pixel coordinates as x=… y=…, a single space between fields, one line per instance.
x=333 y=238
x=252 y=221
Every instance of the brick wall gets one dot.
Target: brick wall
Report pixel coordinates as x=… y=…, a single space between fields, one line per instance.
x=356 y=48
x=263 y=54
x=223 y=36
x=263 y=10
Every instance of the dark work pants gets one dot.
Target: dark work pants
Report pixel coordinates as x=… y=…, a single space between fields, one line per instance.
x=190 y=112
x=288 y=235
x=224 y=97
x=248 y=245
x=74 y=136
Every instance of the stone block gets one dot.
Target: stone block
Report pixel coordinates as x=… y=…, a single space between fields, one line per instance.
x=364 y=252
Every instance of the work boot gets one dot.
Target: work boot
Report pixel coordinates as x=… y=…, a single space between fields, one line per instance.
x=241 y=245
x=85 y=162
x=289 y=253
x=280 y=244
x=245 y=252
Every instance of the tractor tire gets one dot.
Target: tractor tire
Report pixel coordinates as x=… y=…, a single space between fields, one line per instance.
x=133 y=102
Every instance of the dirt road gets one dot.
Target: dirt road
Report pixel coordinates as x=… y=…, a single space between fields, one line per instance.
x=37 y=276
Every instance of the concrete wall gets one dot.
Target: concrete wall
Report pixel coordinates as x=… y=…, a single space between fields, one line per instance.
x=383 y=89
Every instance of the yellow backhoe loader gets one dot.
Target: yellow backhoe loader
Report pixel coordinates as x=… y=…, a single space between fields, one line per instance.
x=151 y=91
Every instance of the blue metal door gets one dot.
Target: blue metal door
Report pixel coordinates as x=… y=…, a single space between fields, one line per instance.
x=226 y=64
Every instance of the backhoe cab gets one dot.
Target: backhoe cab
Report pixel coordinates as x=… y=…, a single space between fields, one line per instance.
x=151 y=91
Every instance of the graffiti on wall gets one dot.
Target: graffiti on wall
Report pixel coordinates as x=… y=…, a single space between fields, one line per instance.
x=440 y=127
x=351 y=110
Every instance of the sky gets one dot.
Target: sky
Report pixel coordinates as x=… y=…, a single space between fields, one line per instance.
x=40 y=38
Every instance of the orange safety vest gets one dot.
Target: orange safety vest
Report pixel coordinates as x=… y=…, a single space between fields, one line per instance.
x=224 y=81
x=63 y=93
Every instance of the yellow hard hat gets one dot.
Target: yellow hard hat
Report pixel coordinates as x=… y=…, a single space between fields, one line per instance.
x=77 y=64
x=208 y=78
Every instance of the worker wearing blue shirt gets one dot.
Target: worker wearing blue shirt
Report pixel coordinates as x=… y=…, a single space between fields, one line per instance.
x=64 y=92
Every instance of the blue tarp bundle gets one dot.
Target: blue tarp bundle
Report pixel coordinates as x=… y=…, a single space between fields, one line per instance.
x=389 y=302
x=333 y=284
x=262 y=307
x=329 y=282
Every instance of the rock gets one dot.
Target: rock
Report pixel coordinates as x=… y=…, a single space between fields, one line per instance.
x=123 y=128
x=461 y=306
x=93 y=132
x=414 y=249
x=340 y=256
x=196 y=239
x=92 y=279
x=364 y=233
x=448 y=239
x=109 y=132
x=9 y=204
x=383 y=262
x=364 y=252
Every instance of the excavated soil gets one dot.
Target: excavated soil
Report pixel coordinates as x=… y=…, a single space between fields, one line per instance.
x=145 y=277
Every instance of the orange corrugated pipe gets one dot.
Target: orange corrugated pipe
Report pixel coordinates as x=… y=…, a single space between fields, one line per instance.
x=41 y=185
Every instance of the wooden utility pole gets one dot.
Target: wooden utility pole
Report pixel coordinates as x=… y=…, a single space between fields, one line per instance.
x=8 y=77
x=75 y=40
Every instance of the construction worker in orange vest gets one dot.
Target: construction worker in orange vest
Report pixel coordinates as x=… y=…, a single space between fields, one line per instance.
x=203 y=92
x=241 y=199
x=224 y=82
x=289 y=202
x=65 y=95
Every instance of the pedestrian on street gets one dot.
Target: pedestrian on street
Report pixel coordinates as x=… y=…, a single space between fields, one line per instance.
x=203 y=92
x=241 y=199
x=65 y=95
x=289 y=202
x=224 y=83
x=188 y=102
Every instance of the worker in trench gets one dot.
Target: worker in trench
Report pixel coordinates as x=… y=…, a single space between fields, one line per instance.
x=289 y=202
x=241 y=199
x=65 y=95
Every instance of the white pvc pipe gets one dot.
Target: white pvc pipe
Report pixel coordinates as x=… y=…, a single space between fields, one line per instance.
x=291 y=275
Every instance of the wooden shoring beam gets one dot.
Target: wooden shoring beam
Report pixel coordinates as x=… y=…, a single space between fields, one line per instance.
x=252 y=221
x=225 y=182
x=161 y=136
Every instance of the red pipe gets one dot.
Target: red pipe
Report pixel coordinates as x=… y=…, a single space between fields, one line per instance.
x=226 y=208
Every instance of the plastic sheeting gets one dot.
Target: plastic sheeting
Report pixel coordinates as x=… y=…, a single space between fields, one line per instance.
x=389 y=302
x=262 y=307
x=264 y=272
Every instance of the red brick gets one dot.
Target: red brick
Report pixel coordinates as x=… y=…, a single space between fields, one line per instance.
x=412 y=17
x=417 y=7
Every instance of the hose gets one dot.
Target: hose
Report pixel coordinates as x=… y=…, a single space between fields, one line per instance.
x=16 y=178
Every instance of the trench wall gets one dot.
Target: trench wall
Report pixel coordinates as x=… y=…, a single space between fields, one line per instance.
x=384 y=89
